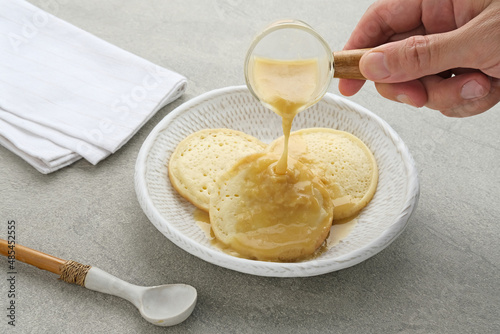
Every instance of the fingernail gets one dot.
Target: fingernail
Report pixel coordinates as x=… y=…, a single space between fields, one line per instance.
x=472 y=90
x=403 y=98
x=374 y=66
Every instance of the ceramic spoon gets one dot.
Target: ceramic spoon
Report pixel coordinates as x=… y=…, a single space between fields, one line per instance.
x=164 y=305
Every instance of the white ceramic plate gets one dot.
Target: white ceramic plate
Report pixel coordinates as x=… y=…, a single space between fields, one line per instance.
x=234 y=107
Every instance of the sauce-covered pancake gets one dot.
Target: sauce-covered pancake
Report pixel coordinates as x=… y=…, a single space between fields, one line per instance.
x=341 y=160
x=198 y=160
x=268 y=216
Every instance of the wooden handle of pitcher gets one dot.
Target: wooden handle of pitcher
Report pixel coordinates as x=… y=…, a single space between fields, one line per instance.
x=346 y=64
x=31 y=256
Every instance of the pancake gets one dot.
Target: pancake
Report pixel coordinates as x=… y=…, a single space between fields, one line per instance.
x=341 y=160
x=198 y=160
x=267 y=216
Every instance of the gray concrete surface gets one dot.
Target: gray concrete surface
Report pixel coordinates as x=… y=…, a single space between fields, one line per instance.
x=440 y=276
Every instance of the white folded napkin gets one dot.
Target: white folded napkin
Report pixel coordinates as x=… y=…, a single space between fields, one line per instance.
x=66 y=94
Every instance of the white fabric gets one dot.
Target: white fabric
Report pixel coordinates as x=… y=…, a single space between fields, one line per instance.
x=66 y=94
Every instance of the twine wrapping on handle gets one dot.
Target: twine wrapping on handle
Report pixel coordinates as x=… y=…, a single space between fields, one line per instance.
x=74 y=272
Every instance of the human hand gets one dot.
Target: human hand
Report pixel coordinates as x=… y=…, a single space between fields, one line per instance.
x=444 y=55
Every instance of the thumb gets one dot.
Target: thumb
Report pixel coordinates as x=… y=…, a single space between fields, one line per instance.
x=411 y=58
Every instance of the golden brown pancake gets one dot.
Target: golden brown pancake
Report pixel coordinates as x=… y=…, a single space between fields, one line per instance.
x=198 y=160
x=341 y=160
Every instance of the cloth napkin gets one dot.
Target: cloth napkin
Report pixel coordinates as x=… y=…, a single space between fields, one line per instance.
x=66 y=94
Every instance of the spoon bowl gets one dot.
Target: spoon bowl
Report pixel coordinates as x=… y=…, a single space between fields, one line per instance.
x=168 y=305
x=163 y=305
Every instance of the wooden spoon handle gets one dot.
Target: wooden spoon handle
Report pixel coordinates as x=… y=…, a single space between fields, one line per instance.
x=346 y=64
x=31 y=256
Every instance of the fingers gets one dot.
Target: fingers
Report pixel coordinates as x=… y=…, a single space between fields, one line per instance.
x=409 y=59
x=426 y=42
x=412 y=93
x=349 y=87
x=404 y=35
x=389 y=20
x=382 y=20
x=475 y=97
x=474 y=45
x=462 y=95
